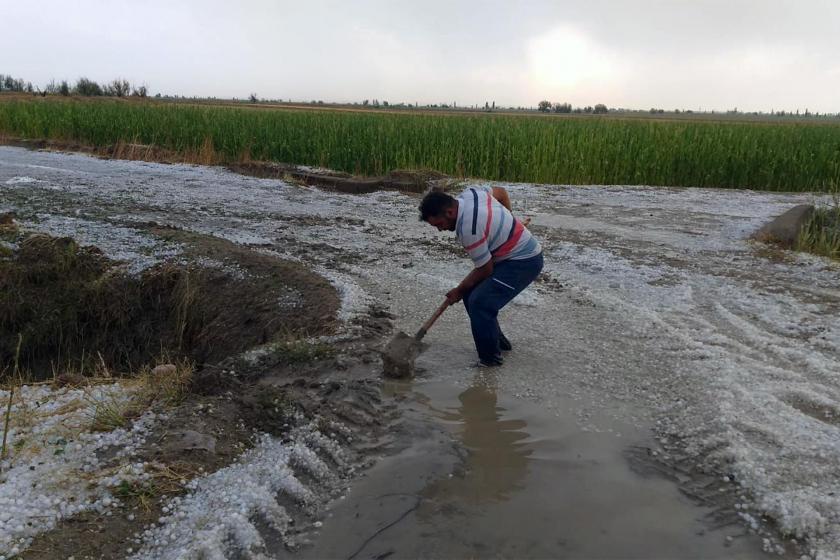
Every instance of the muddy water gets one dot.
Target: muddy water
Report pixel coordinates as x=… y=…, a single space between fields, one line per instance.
x=486 y=475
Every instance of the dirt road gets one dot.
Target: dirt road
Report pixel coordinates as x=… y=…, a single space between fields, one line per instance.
x=673 y=390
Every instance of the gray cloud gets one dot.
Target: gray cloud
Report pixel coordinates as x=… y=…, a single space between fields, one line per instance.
x=691 y=54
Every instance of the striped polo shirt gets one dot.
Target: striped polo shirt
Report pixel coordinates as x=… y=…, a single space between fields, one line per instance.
x=488 y=230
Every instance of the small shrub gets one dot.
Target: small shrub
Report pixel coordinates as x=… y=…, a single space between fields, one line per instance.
x=87 y=87
x=821 y=235
x=118 y=88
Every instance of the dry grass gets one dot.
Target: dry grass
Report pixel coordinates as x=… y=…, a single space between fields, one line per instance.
x=6 y=422
x=185 y=296
x=105 y=410
x=8 y=415
x=164 y=385
x=205 y=154
x=167 y=383
x=136 y=151
x=102 y=404
x=78 y=312
x=165 y=479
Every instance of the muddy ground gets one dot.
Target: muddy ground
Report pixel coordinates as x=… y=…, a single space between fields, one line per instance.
x=670 y=393
x=238 y=300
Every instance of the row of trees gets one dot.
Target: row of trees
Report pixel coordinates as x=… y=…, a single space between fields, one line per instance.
x=122 y=88
x=374 y=103
x=548 y=107
x=115 y=88
x=8 y=83
x=83 y=86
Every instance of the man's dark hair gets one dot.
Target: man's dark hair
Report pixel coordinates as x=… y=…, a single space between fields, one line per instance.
x=434 y=204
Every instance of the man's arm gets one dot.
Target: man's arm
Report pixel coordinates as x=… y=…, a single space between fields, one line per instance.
x=501 y=194
x=471 y=280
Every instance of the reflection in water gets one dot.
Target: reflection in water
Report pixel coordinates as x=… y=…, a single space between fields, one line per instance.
x=497 y=457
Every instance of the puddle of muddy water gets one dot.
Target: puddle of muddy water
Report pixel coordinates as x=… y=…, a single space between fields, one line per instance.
x=490 y=476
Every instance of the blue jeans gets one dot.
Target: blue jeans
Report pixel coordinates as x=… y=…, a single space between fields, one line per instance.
x=485 y=300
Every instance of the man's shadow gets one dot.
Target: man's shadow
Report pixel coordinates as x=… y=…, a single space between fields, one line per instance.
x=496 y=454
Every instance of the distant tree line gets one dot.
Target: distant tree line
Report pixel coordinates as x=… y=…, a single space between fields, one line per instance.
x=546 y=106
x=123 y=88
x=83 y=86
x=9 y=83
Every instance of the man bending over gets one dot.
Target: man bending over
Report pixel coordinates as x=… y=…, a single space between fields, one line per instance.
x=507 y=259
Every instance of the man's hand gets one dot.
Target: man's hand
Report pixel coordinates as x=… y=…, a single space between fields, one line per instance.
x=454 y=295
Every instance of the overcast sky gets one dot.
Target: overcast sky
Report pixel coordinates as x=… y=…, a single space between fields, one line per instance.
x=691 y=54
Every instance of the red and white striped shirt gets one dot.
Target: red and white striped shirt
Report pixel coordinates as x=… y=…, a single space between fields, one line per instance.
x=488 y=230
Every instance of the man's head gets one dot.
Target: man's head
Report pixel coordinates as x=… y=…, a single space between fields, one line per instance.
x=440 y=210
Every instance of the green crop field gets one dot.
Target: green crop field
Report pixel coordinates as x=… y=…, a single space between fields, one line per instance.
x=780 y=156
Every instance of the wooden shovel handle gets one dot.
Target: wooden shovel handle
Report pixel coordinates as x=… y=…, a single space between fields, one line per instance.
x=428 y=324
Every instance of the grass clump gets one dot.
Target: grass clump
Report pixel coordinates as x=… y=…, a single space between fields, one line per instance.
x=821 y=235
x=166 y=383
x=110 y=411
x=296 y=351
x=142 y=493
x=165 y=479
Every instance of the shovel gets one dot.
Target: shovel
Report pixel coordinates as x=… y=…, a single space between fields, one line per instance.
x=399 y=354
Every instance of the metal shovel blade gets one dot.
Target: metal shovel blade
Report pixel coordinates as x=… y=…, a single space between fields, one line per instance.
x=399 y=354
